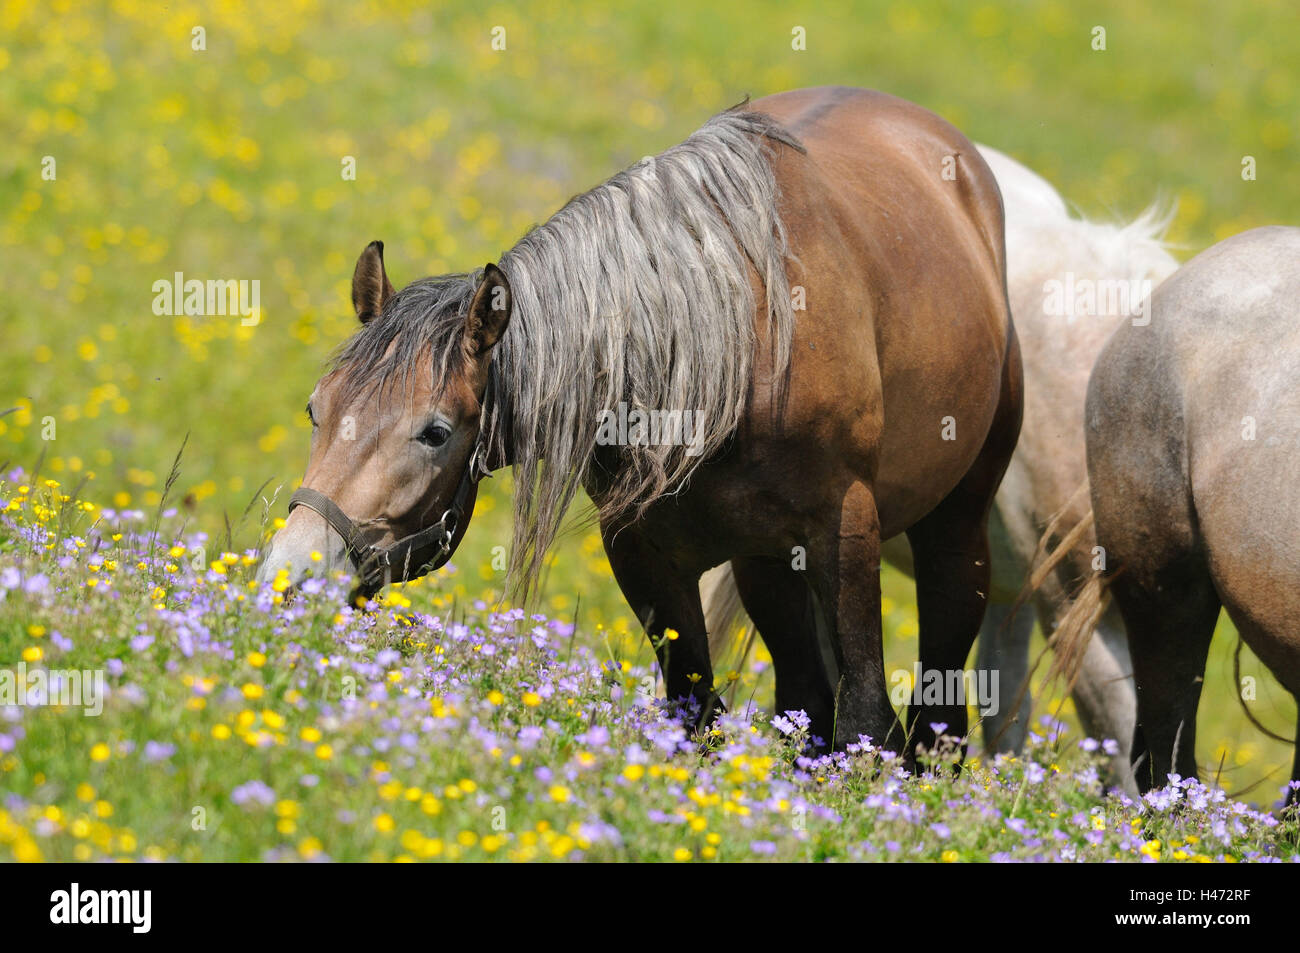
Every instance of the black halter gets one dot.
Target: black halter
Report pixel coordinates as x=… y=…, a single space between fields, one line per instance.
x=422 y=552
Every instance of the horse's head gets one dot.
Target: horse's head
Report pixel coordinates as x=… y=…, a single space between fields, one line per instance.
x=396 y=451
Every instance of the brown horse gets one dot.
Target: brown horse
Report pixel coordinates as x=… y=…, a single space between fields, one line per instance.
x=1045 y=482
x=1193 y=425
x=816 y=281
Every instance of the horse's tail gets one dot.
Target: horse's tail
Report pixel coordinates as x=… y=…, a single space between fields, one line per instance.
x=1069 y=640
x=730 y=631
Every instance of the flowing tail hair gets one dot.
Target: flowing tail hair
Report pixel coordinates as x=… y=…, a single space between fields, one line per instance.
x=1069 y=640
x=731 y=633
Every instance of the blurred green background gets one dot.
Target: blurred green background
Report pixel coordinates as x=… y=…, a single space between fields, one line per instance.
x=225 y=163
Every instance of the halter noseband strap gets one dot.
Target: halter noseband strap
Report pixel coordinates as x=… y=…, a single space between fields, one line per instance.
x=410 y=556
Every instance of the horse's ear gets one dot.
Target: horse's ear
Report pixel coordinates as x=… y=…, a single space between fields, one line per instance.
x=489 y=312
x=371 y=288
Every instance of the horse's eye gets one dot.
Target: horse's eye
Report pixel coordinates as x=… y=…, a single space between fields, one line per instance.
x=434 y=435
x=311 y=416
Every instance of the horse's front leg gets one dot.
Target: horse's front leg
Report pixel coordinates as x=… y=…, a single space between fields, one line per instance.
x=666 y=599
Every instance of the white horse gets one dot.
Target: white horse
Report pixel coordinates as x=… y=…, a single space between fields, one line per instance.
x=1071 y=283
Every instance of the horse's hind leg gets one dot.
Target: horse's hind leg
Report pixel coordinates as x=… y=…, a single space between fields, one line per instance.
x=665 y=596
x=950 y=549
x=1003 y=647
x=1170 y=617
x=1103 y=694
x=780 y=603
x=952 y=583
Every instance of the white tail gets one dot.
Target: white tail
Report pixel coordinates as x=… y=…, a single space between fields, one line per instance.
x=731 y=633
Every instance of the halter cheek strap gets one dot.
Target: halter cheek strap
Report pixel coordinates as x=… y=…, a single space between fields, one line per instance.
x=411 y=556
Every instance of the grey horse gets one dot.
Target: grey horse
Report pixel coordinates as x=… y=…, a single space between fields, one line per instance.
x=1193 y=432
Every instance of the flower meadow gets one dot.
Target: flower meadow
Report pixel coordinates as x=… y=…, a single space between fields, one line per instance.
x=241 y=724
x=437 y=723
x=131 y=156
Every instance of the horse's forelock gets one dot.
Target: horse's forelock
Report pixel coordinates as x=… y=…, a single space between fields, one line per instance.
x=424 y=319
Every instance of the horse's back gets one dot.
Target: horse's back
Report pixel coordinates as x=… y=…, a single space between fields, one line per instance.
x=873 y=146
x=1026 y=195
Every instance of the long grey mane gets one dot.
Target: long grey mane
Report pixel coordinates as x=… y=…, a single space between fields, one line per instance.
x=638 y=293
